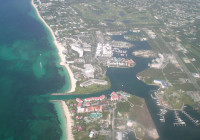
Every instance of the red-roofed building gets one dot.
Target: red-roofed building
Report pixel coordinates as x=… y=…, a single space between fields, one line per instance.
x=101 y=108
x=79 y=105
x=95 y=98
x=130 y=62
x=114 y=96
x=88 y=99
x=85 y=109
x=79 y=100
x=102 y=97
x=79 y=117
x=73 y=111
x=79 y=128
x=87 y=104
x=126 y=115
x=98 y=108
x=90 y=109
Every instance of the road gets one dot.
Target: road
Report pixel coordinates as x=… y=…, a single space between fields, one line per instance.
x=192 y=79
x=113 y=123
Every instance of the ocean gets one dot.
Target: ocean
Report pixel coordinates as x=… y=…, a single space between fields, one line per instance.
x=30 y=71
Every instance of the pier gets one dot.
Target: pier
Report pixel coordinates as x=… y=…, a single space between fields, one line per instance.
x=178 y=120
x=196 y=122
x=162 y=114
x=153 y=97
x=58 y=93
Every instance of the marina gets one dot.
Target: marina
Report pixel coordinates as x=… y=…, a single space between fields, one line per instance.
x=153 y=97
x=178 y=120
x=162 y=115
x=120 y=52
x=196 y=122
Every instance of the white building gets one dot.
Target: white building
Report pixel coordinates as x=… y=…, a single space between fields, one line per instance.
x=88 y=71
x=94 y=81
x=76 y=47
x=91 y=134
x=161 y=83
x=107 y=50
x=81 y=110
x=158 y=62
x=86 y=47
x=104 y=50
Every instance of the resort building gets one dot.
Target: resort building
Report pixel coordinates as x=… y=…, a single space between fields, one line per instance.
x=79 y=105
x=104 y=50
x=76 y=47
x=93 y=81
x=81 y=110
x=95 y=98
x=88 y=71
x=158 y=62
x=79 y=100
x=86 y=47
x=161 y=83
x=123 y=94
x=114 y=96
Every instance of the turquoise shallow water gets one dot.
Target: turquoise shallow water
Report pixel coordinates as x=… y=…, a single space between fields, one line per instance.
x=62 y=120
x=29 y=71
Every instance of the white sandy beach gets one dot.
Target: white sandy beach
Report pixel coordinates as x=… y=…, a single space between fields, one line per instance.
x=60 y=50
x=69 y=120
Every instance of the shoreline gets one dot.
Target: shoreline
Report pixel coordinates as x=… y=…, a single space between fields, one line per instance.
x=60 y=49
x=68 y=120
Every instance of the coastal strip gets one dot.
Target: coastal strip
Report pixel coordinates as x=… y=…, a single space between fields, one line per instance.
x=60 y=51
x=69 y=120
x=67 y=114
x=65 y=120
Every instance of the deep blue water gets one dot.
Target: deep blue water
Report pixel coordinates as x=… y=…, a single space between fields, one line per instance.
x=25 y=114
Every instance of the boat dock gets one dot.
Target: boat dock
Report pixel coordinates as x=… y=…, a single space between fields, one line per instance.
x=162 y=114
x=196 y=122
x=178 y=120
x=153 y=97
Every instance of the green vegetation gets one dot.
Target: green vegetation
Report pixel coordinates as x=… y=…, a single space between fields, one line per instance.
x=178 y=99
x=123 y=107
x=151 y=74
x=138 y=115
x=157 y=45
x=95 y=12
x=82 y=135
x=92 y=88
x=139 y=131
x=105 y=115
x=135 y=100
x=134 y=36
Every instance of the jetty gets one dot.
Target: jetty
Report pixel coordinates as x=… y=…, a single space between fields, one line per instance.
x=196 y=122
x=178 y=120
x=153 y=97
x=58 y=94
x=162 y=114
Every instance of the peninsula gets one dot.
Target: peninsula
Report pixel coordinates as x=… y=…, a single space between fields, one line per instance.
x=111 y=117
